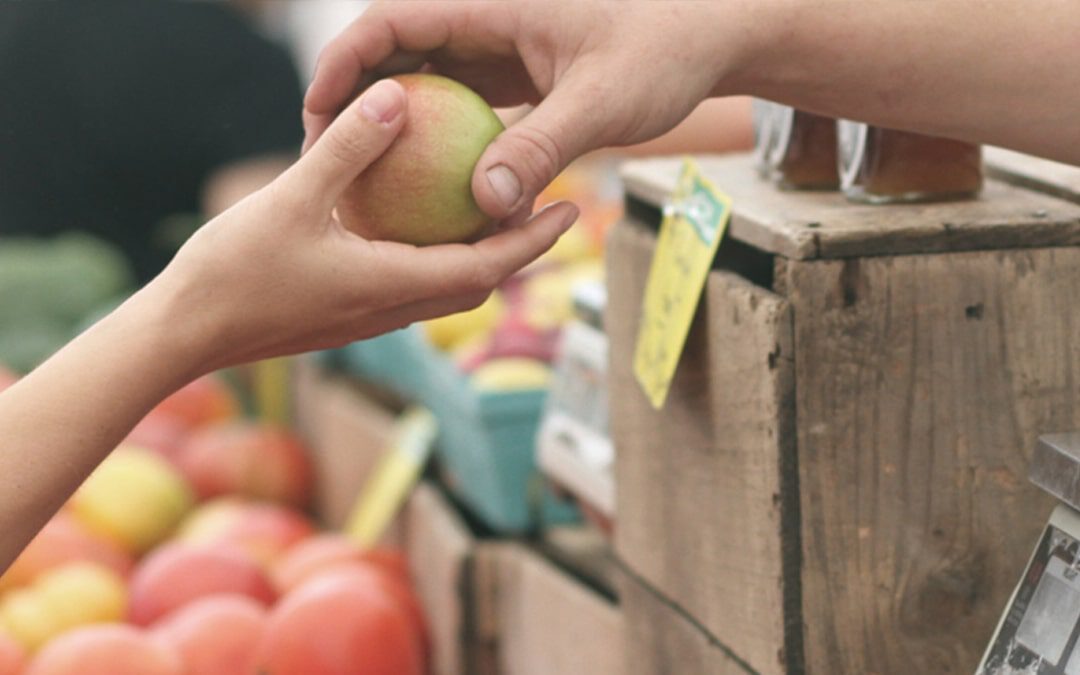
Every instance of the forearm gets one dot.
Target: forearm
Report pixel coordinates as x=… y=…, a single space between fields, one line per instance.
x=64 y=418
x=994 y=72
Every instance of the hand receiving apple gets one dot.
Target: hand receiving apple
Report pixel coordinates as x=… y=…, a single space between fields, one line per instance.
x=278 y=274
x=602 y=73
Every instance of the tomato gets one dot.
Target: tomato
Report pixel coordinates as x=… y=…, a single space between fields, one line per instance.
x=344 y=622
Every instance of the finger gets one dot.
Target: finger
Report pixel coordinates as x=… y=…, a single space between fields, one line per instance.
x=527 y=156
x=366 y=44
x=395 y=64
x=454 y=269
x=356 y=138
x=421 y=310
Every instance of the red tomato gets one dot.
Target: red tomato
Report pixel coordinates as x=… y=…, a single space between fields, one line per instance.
x=344 y=622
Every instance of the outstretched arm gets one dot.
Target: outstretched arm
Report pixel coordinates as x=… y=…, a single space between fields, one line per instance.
x=605 y=73
x=275 y=274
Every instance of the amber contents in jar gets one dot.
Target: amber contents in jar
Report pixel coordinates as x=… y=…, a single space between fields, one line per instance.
x=803 y=156
x=883 y=166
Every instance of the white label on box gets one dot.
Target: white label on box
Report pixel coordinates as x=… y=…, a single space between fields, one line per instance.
x=573 y=445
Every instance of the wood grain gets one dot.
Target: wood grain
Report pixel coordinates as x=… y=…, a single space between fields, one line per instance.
x=802 y=226
x=700 y=491
x=922 y=383
x=658 y=640
x=440 y=550
x=1041 y=175
x=347 y=433
x=550 y=623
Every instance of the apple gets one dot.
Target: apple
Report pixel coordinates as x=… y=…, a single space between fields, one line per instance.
x=216 y=635
x=12 y=656
x=344 y=622
x=64 y=540
x=7 y=377
x=178 y=574
x=420 y=190
x=322 y=552
x=247 y=458
x=204 y=401
x=548 y=297
x=450 y=331
x=106 y=650
x=511 y=374
x=513 y=338
x=61 y=599
x=161 y=432
x=134 y=497
x=265 y=531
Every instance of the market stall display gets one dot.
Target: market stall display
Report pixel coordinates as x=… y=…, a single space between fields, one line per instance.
x=197 y=553
x=846 y=427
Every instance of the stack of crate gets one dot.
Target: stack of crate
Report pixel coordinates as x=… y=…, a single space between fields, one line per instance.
x=495 y=606
x=837 y=481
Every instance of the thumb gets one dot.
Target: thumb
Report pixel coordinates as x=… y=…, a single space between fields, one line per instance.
x=527 y=156
x=355 y=139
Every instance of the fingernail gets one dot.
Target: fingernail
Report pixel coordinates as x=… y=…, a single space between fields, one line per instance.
x=505 y=184
x=571 y=217
x=382 y=102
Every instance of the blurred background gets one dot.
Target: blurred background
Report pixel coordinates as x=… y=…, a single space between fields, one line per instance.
x=127 y=124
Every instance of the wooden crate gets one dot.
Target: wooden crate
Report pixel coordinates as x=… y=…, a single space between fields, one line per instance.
x=542 y=621
x=658 y=639
x=836 y=484
x=497 y=607
x=1041 y=175
x=442 y=556
x=347 y=431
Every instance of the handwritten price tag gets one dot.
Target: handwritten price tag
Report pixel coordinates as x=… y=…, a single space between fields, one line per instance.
x=690 y=234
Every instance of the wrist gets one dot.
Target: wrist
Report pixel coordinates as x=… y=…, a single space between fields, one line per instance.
x=171 y=331
x=741 y=55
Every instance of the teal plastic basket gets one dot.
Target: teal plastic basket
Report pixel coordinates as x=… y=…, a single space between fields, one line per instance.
x=397 y=361
x=487 y=440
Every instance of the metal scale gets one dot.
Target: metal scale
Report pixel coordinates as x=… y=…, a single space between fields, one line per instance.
x=1039 y=633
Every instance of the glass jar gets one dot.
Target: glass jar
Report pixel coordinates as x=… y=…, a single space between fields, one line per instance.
x=764 y=134
x=886 y=166
x=803 y=154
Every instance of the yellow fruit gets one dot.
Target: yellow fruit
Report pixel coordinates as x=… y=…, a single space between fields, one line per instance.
x=573 y=246
x=549 y=296
x=25 y=617
x=134 y=497
x=83 y=593
x=512 y=374
x=62 y=599
x=447 y=332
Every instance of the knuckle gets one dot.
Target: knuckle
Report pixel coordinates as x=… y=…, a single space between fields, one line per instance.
x=485 y=277
x=541 y=150
x=346 y=148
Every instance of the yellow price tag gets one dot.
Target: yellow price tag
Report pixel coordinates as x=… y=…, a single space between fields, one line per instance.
x=690 y=234
x=393 y=478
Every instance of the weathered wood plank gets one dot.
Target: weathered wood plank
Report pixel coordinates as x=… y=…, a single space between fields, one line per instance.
x=658 y=640
x=922 y=383
x=700 y=495
x=347 y=433
x=1042 y=175
x=440 y=549
x=550 y=623
x=802 y=225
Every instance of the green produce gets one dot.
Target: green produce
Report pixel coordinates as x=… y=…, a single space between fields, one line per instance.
x=47 y=287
